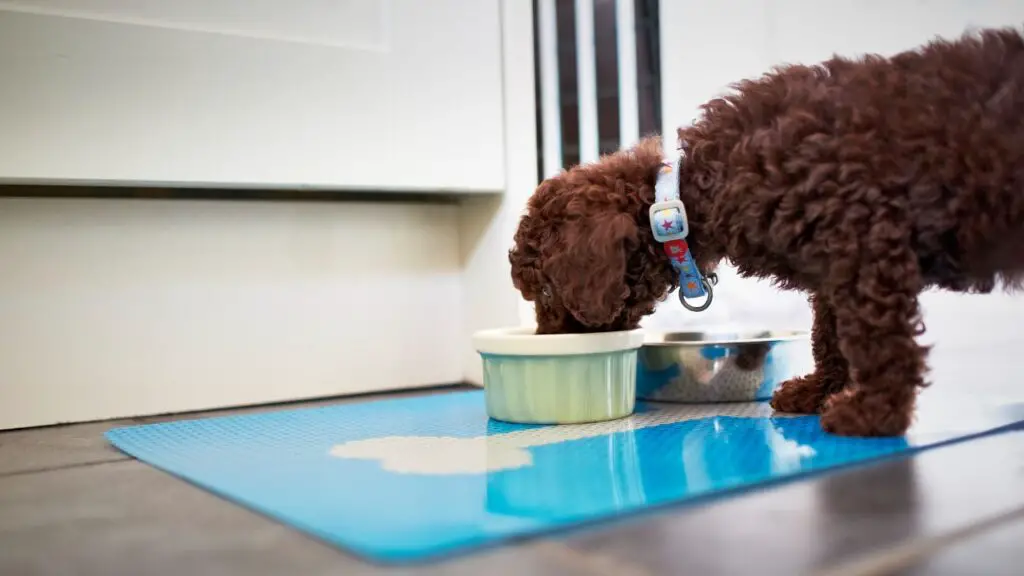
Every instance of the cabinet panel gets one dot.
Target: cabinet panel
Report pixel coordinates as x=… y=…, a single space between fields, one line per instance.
x=349 y=94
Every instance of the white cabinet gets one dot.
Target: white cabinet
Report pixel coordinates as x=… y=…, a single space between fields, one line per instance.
x=345 y=94
x=115 y=308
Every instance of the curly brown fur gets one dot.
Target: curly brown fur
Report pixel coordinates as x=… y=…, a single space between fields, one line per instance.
x=580 y=253
x=860 y=181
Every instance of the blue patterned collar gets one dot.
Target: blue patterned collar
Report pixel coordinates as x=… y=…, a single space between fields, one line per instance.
x=670 y=227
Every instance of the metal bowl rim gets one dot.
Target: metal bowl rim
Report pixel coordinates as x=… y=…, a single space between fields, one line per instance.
x=658 y=339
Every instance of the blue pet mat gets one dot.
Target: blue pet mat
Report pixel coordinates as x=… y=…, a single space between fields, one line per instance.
x=409 y=479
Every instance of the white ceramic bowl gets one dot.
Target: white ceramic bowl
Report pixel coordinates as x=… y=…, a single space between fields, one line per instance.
x=558 y=378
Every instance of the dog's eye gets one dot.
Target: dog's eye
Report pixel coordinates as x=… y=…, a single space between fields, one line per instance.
x=545 y=292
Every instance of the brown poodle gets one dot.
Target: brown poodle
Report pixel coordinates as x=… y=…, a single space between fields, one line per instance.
x=860 y=181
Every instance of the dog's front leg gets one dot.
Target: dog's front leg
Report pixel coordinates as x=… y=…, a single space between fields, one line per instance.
x=806 y=394
x=877 y=320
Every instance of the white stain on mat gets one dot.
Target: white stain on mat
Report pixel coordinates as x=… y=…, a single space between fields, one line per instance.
x=443 y=455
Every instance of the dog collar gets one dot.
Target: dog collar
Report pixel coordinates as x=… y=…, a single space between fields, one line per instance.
x=670 y=227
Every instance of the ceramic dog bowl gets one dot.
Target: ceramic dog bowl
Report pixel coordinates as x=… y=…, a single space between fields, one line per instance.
x=719 y=367
x=558 y=378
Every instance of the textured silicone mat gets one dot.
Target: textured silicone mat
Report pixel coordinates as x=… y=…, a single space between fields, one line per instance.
x=408 y=479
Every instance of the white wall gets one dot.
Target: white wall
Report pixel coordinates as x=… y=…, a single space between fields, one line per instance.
x=707 y=45
x=113 y=308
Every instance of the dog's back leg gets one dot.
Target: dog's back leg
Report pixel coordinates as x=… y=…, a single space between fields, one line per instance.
x=877 y=321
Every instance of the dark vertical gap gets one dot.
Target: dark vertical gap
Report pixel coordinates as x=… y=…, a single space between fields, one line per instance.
x=648 y=55
x=565 y=11
x=606 y=55
x=538 y=117
x=606 y=35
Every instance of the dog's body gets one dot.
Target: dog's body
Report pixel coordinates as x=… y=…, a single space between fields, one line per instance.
x=862 y=182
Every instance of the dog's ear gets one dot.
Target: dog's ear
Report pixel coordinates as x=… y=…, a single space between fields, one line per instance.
x=532 y=240
x=589 y=271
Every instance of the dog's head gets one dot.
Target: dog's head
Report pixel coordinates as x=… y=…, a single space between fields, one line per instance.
x=584 y=252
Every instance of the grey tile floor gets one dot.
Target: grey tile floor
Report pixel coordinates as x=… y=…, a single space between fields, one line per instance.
x=70 y=504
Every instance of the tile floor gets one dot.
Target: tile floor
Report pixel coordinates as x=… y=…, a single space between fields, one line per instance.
x=70 y=505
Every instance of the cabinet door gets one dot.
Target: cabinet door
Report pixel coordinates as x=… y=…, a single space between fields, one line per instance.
x=347 y=94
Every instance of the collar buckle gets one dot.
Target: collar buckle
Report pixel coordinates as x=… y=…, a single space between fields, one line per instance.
x=679 y=228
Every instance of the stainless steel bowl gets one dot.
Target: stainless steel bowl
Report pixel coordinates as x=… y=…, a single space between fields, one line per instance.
x=698 y=367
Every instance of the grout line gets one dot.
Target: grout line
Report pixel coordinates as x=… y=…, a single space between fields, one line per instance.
x=86 y=191
x=590 y=562
x=892 y=560
x=383 y=394
x=59 y=467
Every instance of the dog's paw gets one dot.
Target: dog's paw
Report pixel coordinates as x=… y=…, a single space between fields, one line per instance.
x=802 y=395
x=851 y=412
